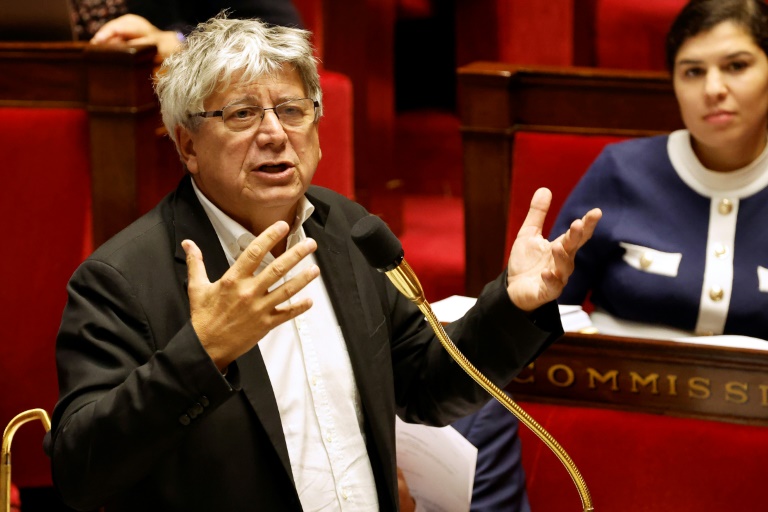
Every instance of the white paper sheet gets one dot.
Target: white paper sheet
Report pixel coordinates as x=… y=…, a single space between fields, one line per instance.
x=452 y=308
x=438 y=465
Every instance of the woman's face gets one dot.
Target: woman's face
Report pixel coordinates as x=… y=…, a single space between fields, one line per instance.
x=721 y=83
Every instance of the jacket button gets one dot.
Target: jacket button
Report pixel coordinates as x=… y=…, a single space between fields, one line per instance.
x=195 y=411
x=204 y=401
x=716 y=294
x=185 y=420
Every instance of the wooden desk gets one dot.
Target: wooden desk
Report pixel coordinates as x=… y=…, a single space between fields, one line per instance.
x=497 y=100
x=115 y=87
x=664 y=377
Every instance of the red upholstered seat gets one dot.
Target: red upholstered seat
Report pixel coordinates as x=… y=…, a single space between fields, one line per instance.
x=631 y=35
x=555 y=161
x=636 y=462
x=45 y=210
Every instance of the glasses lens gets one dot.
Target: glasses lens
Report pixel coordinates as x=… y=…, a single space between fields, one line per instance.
x=241 y=117
x=296 y=112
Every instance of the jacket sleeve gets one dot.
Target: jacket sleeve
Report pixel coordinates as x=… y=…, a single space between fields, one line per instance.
x=124 y=396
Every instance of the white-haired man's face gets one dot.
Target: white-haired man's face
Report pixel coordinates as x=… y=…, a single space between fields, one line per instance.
x=255 y=171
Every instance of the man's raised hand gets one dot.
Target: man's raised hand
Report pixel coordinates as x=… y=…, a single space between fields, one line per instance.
x=233 y=314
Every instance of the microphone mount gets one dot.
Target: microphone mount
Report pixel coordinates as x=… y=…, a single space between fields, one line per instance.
x=384 y=252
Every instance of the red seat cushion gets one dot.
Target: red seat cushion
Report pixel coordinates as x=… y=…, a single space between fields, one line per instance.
x=644 y=462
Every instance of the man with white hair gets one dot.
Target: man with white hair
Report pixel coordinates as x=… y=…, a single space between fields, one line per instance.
x=232 y=349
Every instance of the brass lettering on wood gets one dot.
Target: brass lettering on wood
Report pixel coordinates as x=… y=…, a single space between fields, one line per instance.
x=736 y=392
x=609 y=376
x=652 y=380
x=672 y=379
x=650 y=376
x=560 y=368
x=698 y=387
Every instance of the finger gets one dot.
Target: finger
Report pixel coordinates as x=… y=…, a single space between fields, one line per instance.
x=534 y=220
x=289 y=311
x=564 y=262
x=282 y=265
x=196 y=272
x=253 y=255
x=580 y=231
x=104 y=34
x=135 y=40
x=280 y=296
x=590 y=223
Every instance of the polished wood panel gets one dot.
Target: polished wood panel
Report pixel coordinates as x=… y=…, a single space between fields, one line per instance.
x=663 y=377
x=114 y=85
x=497 y=100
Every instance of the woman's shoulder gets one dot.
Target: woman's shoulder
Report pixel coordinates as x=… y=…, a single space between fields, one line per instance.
x=649 y=146
x=632 y=154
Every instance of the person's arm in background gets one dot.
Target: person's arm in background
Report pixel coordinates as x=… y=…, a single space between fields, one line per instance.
x=499 y=475
x=136 y=30
x=166 y=24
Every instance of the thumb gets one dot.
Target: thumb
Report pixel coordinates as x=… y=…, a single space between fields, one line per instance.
x=196 y=272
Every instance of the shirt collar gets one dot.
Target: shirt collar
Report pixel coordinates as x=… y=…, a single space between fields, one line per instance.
x=235 y=238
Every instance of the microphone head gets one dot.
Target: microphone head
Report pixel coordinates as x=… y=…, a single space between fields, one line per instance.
x=378 y=243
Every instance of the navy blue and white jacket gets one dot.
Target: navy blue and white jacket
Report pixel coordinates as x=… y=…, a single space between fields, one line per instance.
x=678 y=245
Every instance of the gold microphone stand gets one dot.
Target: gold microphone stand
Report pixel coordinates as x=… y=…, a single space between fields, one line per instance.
x=5 y=465
x=408 y=284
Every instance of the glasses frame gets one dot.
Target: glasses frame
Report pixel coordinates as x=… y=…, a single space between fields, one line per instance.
x=220 y=113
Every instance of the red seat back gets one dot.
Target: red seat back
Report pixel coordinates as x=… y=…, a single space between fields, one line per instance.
x=46 y=213
x=631 y=35
x=555 y=161
x=336 y=169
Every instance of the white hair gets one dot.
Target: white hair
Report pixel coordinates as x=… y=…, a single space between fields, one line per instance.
x=221 y=51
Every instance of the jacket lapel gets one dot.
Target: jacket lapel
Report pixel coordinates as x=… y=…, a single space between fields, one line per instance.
x=191 y=222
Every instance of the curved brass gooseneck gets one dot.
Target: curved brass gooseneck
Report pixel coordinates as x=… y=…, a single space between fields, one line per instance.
x=407 y=283
x=5 y=464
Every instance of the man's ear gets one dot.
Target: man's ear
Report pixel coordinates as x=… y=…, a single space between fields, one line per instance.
x=186 y=144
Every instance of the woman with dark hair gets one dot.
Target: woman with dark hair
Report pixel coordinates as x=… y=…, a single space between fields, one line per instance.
x=681 y=248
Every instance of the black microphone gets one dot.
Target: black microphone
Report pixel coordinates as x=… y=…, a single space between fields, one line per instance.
x=384 y=252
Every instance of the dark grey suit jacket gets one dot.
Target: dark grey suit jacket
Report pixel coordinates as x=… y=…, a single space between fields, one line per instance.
x=145 y=421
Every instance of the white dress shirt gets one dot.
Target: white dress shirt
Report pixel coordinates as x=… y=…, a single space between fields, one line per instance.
x=314 y=386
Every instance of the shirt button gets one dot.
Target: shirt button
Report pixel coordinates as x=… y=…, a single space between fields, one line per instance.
x=716 y=293
x=725 y=207
x=344 y=494
x=328 y=438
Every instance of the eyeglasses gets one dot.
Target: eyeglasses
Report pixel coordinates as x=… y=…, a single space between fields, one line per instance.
x=293 y=114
